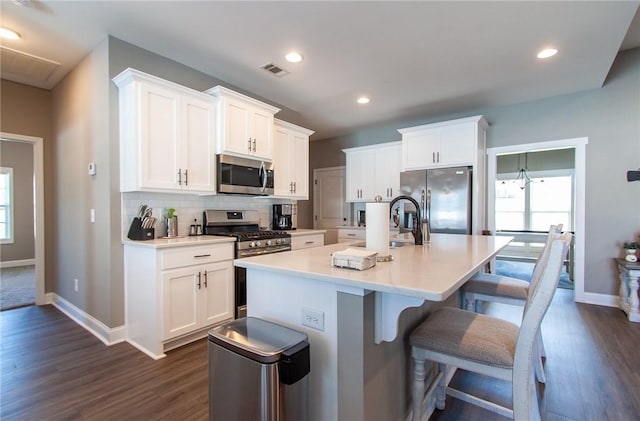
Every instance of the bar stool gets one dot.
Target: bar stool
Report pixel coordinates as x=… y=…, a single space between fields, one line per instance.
x=505 y=289
x=488 y=345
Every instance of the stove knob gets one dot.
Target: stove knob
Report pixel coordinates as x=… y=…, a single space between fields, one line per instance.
x=258 y=244
x=277 y=241
x=268 y=242
x=252 y=244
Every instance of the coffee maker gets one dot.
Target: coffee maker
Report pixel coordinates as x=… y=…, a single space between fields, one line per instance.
x=285 y=217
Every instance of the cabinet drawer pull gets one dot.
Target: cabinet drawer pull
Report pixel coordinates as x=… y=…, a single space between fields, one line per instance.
x=351 y=235
x=201 y=255
x=309 y=242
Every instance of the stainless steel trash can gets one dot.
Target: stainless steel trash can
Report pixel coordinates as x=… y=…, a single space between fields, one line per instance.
x=258 y=371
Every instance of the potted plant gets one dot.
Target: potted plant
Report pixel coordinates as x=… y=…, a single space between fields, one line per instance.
x=172 y=223
x=631 y=249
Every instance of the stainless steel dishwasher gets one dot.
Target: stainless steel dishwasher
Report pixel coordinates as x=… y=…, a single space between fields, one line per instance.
x=258 y=370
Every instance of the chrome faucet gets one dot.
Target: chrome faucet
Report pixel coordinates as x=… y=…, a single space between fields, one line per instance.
x=417 y=221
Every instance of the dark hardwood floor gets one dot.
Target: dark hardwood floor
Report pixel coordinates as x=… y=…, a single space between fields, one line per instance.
x=50 y=368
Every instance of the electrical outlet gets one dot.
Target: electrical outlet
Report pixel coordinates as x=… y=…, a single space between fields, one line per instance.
x=75 y=285
x=313 y=318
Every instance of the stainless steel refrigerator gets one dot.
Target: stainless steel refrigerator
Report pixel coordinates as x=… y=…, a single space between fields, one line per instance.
x=444 y=195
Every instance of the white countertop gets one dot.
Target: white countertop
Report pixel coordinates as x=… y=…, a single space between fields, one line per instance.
x=196 y=240
x=305 y=231
x=432 y=272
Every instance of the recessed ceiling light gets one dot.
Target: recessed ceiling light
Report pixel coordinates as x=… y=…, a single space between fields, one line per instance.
x=547 y=52
x=8 y=33
x=363 y=100
x=293 y=57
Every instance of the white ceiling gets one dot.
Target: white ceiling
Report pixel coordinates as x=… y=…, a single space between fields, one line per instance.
x=414 y=59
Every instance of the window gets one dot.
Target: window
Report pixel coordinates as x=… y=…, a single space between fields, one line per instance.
x=6 y=205
x=545 y=201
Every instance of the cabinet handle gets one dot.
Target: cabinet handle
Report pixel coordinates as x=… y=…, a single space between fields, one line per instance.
x=199 y=284
x=387 y=191
x=309 y=242
x=351 y=235
x=391 y=191
x=295 y=189
x=438 y=155
x=186 y=177
x=291 y=187
x=201 y=255
x=179 y=176
x=249 y=144
x=433 y=157
x=254 y=144
x=205 y=278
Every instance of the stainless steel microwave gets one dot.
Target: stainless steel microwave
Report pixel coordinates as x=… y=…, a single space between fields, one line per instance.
x=244 y=176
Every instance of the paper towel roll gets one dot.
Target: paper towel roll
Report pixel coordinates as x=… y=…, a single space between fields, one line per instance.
x=378 y=228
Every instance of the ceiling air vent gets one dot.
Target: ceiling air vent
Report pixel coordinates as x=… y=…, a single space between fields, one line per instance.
x=274 y=69
x=25 y=66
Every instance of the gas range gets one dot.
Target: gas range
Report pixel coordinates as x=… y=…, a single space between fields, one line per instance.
x=244 y=226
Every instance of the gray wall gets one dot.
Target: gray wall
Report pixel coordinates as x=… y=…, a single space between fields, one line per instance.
x=85 y=116
x=28 y=111
x=608 y=116
x=19 y=156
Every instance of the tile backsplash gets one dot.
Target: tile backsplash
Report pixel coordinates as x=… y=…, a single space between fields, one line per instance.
x=190 y=207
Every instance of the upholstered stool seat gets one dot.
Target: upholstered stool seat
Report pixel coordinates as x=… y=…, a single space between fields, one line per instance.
x=467 y=335
x=497 y=285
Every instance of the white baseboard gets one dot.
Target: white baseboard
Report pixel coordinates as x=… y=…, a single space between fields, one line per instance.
x=17 y=263
x=109 y=336
x=598 y=299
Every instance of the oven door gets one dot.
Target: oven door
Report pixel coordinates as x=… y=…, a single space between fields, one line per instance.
x=241 y=279
x=244 y=176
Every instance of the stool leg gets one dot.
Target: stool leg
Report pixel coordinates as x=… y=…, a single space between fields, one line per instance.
x=418 y=383
x=441 y=390
x=469 y=302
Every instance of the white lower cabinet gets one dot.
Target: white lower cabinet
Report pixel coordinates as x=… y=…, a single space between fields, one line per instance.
x=306 y=241
x=196 y=297
x=351 y=234
x=174 y=295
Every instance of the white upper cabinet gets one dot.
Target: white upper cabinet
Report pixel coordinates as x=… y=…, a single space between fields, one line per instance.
x=291 y=160
x=167 y=135
x=373 y=170
x=245 y=125
x=446 y=144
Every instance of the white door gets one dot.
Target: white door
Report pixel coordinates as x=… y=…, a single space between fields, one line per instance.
x=179 y=301
x=330 y=208
x=217 y=293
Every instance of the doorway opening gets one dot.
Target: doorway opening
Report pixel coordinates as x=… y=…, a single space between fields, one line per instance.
x=531 y=187
x=330 y=209
x=35 y=207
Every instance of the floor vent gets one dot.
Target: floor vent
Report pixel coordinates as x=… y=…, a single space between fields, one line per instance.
x=274 y=69
x=18 y=64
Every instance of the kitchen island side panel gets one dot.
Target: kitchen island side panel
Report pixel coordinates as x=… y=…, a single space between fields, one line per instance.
x=351 y=377
x=281 y=298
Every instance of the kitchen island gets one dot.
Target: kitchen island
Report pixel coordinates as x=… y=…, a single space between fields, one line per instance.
x=358 y=322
